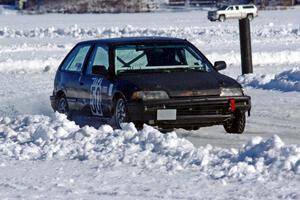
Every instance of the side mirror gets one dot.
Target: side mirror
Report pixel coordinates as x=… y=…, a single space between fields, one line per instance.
x=220 y=65
x=99 y=70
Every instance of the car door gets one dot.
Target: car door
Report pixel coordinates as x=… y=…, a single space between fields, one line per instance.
x=238 y=12
x=230 y=12
x=96 y=89
x=70 y=73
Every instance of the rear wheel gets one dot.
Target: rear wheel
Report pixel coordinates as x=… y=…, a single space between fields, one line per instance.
x=62 y=105
x=250 y=17
x=222 y=18
x=236 y=125
x=120 y=113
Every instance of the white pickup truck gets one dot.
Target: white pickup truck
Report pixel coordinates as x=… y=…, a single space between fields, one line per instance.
x=233 y=12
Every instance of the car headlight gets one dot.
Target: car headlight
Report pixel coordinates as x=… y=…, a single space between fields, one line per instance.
x=229 y=92
x=150 y=95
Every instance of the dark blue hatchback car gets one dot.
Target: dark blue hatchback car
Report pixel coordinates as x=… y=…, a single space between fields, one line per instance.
x=165 y=82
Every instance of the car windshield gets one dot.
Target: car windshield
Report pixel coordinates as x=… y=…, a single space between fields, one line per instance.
x=158 y=57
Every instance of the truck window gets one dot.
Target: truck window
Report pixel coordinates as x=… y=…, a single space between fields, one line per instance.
x=248 y=7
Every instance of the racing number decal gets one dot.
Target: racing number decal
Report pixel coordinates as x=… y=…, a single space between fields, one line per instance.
x=96 y=97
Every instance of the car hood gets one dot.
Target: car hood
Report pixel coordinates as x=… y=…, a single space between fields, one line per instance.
x=180 y=84
x=212 y=12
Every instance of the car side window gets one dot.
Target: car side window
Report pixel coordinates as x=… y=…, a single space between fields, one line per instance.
x=237 y=8
x=191 y=60
x=99 y=57
x=230 y=8
x=74 y=62
x=195 y=61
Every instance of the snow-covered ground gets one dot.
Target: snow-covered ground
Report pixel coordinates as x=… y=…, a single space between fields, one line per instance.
x=43 y=155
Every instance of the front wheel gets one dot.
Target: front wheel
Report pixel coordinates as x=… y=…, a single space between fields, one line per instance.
x=222 y=18
x=250 y=17
x=120 y=113
x=236 y=125
x=62 y=106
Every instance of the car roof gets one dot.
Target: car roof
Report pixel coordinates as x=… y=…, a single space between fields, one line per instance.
x=134 y=40
x=241 y=5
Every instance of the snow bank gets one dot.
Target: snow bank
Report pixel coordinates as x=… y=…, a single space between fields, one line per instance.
x=31 y=58
x=36 y=47
x=28 y=58
x=39 y=137
x=7 y=10
x=271 y=31
x=192 y=32
x=36 y=64
x=104 y=32
x=29 y=66
x=286 y=81
x=259 y=58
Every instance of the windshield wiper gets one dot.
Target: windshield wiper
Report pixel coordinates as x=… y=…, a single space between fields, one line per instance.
x=140 y=71
x=196 y=69
x=189 y=69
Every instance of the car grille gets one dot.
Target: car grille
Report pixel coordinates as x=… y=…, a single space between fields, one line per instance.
x=200 y=109
x=211 y=13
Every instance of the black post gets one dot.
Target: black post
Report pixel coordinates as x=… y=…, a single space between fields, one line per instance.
x=245 y=40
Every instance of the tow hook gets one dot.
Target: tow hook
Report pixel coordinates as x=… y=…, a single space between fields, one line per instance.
x=232 y=105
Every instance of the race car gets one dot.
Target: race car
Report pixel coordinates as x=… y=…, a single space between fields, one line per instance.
x=160 y=81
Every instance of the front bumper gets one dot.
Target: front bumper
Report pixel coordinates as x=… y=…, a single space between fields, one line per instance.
x=212 y=17
x=190 y=112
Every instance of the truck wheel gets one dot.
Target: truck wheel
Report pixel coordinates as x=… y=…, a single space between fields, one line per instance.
x=250 y=17
x=62 y=105
x=120 y=114
x=236 y=125
x=222 y=18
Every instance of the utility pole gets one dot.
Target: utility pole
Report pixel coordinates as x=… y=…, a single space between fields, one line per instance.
x=245 y=41
x=245 y=45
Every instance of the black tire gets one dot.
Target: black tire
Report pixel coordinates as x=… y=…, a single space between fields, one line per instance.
x=120 y=114
x=222 y=18
x=62 y=106
x=250 y=17
x=166 y=130
x=237 y=125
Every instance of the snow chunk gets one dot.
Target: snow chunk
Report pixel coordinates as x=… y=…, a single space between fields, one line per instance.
x=43 y=133
x=40 y=137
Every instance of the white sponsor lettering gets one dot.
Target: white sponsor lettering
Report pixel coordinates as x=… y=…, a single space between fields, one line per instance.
x=110 y=89
x=96 y=97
